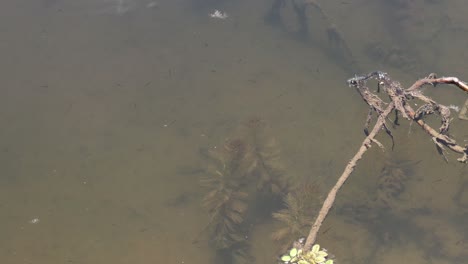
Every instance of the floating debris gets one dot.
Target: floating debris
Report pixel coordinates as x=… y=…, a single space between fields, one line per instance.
x=219 y=14
x=34 y=221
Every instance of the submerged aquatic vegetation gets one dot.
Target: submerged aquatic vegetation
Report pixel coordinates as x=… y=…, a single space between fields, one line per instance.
x=242 y=178
x=296 y=218
x=269 y=170
x=233 y=159
x=392 y=179
x=225 y=201
x=295 y=222
x=227 y=217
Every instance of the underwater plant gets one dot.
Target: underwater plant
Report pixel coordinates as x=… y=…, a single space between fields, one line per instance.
x=227 y=215
x=301 y=205
x=225 y=202
x=244 y=178
x=295 y=222
x=268 y=169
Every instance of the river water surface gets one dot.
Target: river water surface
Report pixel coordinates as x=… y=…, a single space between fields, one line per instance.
x=106 y=107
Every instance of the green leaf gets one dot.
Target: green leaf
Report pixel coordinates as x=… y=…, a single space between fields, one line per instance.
x=316 y=248
x=286 y=258
x=319 y=259
x=293 y=252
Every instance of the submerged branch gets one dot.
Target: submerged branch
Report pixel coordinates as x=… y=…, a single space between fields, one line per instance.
x=399 y=102
x=328 y=203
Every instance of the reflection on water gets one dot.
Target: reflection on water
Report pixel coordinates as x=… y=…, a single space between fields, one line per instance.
x=106 y=105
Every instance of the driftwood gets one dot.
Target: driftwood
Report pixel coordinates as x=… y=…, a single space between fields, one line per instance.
x=399 y=103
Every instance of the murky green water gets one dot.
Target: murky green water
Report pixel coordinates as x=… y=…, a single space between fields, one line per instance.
x=106 y=107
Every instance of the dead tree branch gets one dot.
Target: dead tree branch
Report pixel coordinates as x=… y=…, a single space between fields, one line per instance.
x=399 y=102
x=328 y=203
